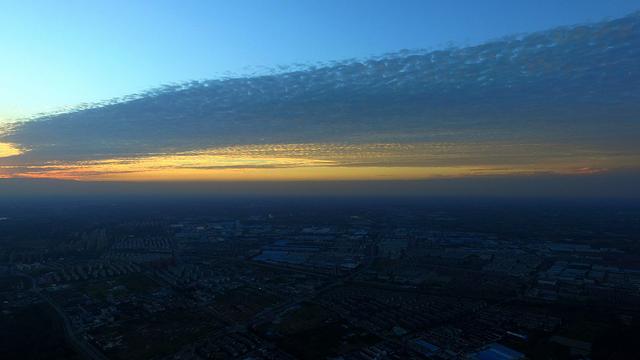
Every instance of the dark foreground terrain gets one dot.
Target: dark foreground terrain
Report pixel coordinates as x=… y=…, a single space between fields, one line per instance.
x=316 y=279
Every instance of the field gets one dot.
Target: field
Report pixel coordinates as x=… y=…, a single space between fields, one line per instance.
x=310 y=331
x=30 y=332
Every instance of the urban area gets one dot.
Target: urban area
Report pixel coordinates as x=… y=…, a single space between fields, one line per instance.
x=320 y=280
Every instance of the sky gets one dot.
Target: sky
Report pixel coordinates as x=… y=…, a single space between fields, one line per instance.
x=327 y=91
x=62 y=53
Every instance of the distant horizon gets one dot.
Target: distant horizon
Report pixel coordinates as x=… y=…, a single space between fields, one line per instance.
x=593 y=187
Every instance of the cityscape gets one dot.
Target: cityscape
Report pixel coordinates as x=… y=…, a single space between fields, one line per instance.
x=322 y=279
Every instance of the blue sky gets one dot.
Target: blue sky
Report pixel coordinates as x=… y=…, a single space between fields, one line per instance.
x=62 y=53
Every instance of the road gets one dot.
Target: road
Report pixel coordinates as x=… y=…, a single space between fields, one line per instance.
x=84 y=349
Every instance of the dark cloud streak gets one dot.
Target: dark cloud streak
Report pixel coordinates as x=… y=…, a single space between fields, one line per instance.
x=576 y=79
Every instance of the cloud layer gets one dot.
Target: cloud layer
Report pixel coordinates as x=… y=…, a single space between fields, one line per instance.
x=563 y=101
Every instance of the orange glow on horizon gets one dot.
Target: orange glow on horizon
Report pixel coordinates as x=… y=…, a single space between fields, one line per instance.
x=324 y=162
x=322 y=173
